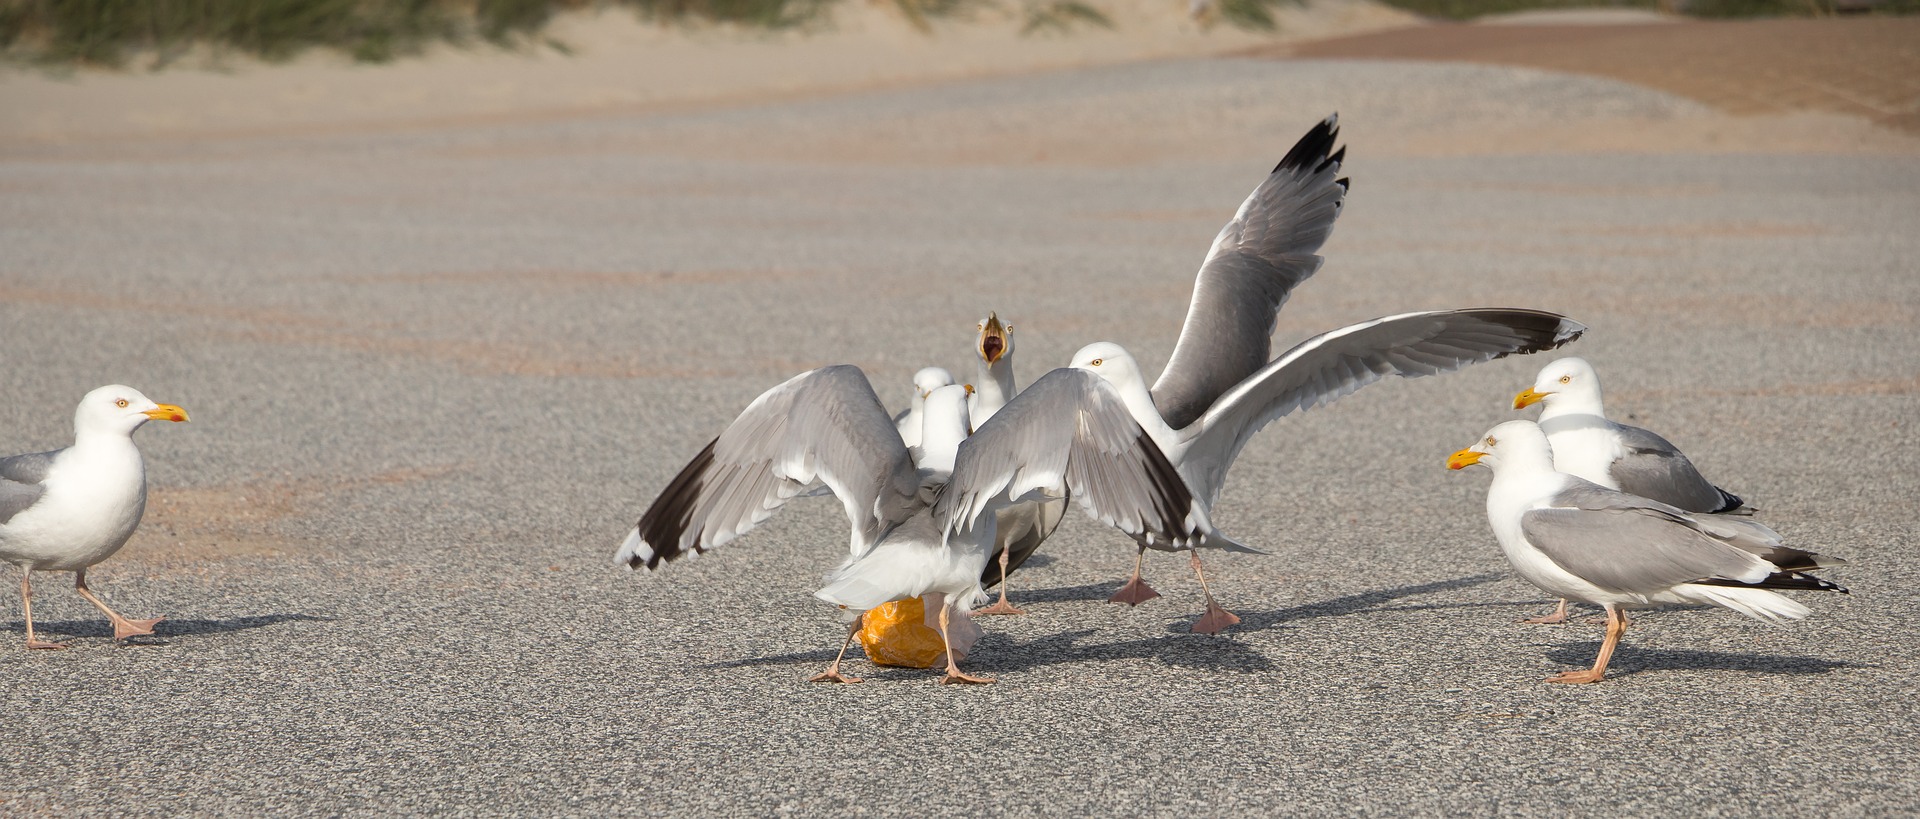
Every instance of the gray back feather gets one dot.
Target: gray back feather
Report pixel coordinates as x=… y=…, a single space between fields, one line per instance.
x=826 y=424
x=1654 y=468
x=22 y=481
x=1070 y=434
x=1268 y=249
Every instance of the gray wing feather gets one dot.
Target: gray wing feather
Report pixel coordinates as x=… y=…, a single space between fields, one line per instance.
x=1070 y=434
x=1257 y=259
x=1655 y=468
x=826 y=424
x=22 y=481
x=1636 y=550
x=1740 y=532
x=1334 y=364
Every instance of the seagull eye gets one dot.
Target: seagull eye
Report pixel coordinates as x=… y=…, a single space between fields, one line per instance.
x=122 y=403
x=1491 y=441
x=1009 y=329
x=1566 y=379
x=1096 y=362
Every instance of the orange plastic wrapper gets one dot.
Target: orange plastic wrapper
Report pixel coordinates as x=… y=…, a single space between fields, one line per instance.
x=905 y=633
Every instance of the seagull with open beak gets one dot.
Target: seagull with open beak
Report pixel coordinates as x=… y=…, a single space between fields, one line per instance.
x=993 y=386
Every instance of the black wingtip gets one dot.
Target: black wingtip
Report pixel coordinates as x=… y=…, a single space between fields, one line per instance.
x=666 y=521
x=1315 y=151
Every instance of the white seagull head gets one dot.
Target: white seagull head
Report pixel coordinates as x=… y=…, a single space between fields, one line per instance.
x=1109 y=361
x=1569 y=382
x=929 y=379
x=1514 y=443
x=995 y=341
x=119 y=410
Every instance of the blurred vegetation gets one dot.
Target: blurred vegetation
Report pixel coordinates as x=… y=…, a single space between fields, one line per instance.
x=1468 y=9
x=111 y=32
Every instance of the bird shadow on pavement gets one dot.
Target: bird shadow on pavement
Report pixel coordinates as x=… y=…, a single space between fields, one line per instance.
x=997 y=652
x=1251 y=621
x=164 y=629
x=1628 y=661
x=1063 y=594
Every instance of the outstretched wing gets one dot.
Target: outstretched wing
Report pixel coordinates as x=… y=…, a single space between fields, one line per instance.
x=824 y=424
x=1334 y=364
x=1268 y=249
x=1069 y=433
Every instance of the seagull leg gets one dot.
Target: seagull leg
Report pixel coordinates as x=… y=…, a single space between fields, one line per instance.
x=832 y=674
x=1216 y=619
x=954 y=677
x=1136 y=591
x=26 y=604
x=1002 y=607
x=1558 y=616
x=1616 y=627
x=122 y=627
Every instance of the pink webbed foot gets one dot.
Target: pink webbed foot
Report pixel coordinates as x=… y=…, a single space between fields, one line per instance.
x=35 y=643
x=1578 y=677
x=1000 y=608
x=1215 y=620
x=1135 y=592
x=122 y=629
x=1558 y=616
x=955 y=677
x=833 y=675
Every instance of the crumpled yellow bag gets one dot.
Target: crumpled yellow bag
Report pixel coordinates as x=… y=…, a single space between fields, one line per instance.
x=906 y=633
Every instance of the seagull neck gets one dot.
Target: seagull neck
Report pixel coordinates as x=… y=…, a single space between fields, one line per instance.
x=995 y=387
x=1140 y=405
x=1572 y=410
x=940 y=439
x=92 y=441
x=1517 y=488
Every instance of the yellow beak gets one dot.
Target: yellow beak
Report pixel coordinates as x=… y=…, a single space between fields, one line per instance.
x=1528 y=398
x=167 y=412
x=1463 y=459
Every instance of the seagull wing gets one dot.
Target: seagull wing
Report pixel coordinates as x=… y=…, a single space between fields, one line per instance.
x=1633 y=550
x=1268 y=248
x=1654 y=468
x=824 y=424
x=1334 y=364
x=1070 y=434
x=22 y=481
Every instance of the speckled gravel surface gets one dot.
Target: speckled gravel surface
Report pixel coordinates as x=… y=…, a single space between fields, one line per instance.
x=436 y=374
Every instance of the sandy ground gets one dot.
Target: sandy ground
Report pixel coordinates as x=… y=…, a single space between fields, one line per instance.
x=437 y=368
x=618 y=66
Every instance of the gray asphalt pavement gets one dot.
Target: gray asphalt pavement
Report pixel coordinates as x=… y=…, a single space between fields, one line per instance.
x=436 y=374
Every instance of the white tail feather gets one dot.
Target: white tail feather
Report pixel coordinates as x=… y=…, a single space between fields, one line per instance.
x=1758 y=604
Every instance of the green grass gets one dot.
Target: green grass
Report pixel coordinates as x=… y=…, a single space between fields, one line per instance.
x=114 y=32
x=110 y=32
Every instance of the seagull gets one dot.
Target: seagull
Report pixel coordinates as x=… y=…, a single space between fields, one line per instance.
x=1616 y=456
x=925 y=382
x=1069 y=434
x=993 y=387
x=66 y=510
x=1579 y=540
x=1022 y=527
x=1314 y=372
